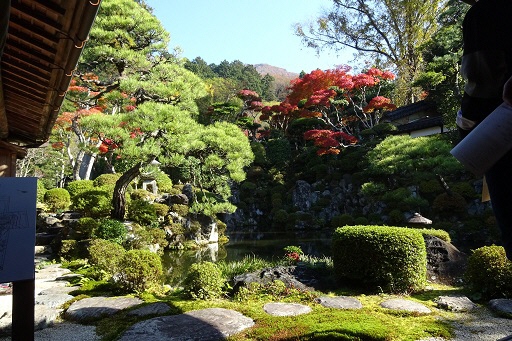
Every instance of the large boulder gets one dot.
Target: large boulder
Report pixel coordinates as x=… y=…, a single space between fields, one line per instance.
x=445 y=263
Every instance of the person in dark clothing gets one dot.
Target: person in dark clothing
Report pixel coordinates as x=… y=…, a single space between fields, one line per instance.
x=487 y=65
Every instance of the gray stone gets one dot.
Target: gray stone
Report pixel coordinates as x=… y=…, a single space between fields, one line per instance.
x=151 y=309
x=301 y=195
x=406 y=305
x=455 y=303
x=93 y=308
x=445 y=263
x=202 y=325
x=502 y=307
x=180 y=199
x=45 y=317
x=52 y=300
x=58 y=290
x=292 y=276
x=339 y=302
x=286 y=309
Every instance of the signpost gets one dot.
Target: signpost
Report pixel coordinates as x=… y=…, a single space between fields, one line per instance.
x=17 y=240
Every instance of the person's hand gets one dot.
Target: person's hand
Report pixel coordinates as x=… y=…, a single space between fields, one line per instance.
x=507 y=92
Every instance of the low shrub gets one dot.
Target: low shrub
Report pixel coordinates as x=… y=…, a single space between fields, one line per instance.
x=85 y=227
x=106 y=255
x=441 y=234
x=140 y=270
x=181 y=210
x=108 y=180
x=93 y=203
x=161 y=209
x=280 y=217
x=112 y=230
x=142 y=212
x=342 y=220
x=489 y=273
x=449 y=204
x=79 y=186
x=163 y=181
x=57 y=199
x=68 y=249
x=41 y=190
x=204 y=281
x=391 y=258
x=145 y=237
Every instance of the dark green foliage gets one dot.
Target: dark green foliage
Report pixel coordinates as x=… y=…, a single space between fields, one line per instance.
x=391 y=258
x=465 y=189
x=280 y=217
x=93 y=203
x=68 y=249
x=85 y=227
x=139 y=270
x=361 y=221
x=204 y=281
x=142 y=212
x=342 y=220
x=279 y=152
x=396 y=217
x=111 y=230
x=260 y=155
x=447 y=204
x=57 y=199
x=106 y=255
x=402 y=199
x=79 y=186
x=489 y=273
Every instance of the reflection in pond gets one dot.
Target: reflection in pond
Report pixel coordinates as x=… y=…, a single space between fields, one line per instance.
x=266 y=245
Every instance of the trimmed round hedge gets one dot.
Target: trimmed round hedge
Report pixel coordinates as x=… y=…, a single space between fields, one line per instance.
x=392 y=259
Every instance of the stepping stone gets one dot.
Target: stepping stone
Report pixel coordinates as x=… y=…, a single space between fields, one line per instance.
x=210 y=324
x=502 y=307
x=339 y=302
x=158 y=308
x=286 y=309
x=58 y=290
x=455 y=303
x=52 y=301
x=92 y=308
x=402 y=304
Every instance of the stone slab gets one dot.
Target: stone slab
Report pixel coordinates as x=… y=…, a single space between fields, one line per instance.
x=53 y=300
x=93 y=308
x=286 y=309
x=210 y=324
x=339 y=302
x=406 y=305
x=502 y=307
x=455 y=303
x=158 y=308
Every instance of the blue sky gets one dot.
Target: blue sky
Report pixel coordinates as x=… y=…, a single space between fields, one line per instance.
x=254 y=32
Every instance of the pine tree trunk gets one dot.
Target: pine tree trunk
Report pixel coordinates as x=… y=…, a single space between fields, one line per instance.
x=119 y=200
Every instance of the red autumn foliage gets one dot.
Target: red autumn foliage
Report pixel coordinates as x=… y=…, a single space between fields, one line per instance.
x=328 y=141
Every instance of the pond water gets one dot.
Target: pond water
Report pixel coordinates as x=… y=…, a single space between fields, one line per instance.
x=266 y=245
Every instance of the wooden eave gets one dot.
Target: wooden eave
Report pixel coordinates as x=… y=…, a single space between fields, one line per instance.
x=44 y=40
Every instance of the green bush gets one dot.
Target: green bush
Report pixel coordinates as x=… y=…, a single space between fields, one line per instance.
x=111 y=230
x=57 y=199
x=489 y=273
x=93 y=203
x=144 y=237
x=441 y=234
x=41 y=190
x=141 y=194
x=163 y=182
x=342 y=220
x=140 y=270
x=85 y=227
x=181 y=210
x=106 y=255
x=107 y=180
x=204 y=281
x=391 y=258
x=280 y=216
x=161 y=209
x=68 y=249
x=79 y=186
x=142 y=212
x=361 y=221
x=447 y=204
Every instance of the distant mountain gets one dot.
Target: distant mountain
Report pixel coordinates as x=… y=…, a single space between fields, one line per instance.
x=276 y=72
x=282 y=78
